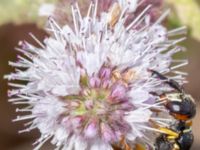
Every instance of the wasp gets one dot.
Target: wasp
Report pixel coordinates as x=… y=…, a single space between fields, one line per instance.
x=181 y=138
x=180 y=105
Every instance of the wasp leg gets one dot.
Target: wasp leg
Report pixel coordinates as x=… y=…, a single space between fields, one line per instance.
x=167 y=140
x=124 y=144
x=162 y=143
x=115 y=147
x=169 y=132
x=139 y=147
x=170 y=82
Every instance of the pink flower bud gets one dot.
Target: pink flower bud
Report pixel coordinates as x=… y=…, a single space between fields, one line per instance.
x=107 y=133
x=118 y=92
x=91 y=130
x=106 y=84
x=105 y=73
x=95 y=82
x=77 y=121
x=89 y=104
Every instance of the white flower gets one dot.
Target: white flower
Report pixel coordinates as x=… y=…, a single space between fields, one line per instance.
x=89 y=87
x=130 y=4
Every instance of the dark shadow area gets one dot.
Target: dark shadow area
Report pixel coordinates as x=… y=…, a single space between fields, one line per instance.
x=198 y=2
x=193 y=87
x=10 y=34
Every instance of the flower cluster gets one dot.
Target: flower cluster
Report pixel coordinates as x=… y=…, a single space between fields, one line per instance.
x=61 y=15
x=89 y=86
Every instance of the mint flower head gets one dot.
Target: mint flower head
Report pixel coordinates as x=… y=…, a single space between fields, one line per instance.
x=60 y=11
x=89 y=87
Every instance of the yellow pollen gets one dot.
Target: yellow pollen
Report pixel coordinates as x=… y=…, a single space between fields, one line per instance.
x=87 y=92
x=116 y=75
x=129 y=75
x=125 y=77
x=114 y=14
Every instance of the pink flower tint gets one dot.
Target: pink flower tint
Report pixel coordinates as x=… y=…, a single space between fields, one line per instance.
x=105 y=73
x=77 y=121
x=91 y=130
x=118 y=91
x=89 y=104
x=106 y=84
x=95 y=82
x=88 y=84
x=104 y=5
x=155 y=10
x=108 y=133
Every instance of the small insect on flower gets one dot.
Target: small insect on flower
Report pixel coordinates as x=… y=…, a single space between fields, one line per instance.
x=89 y=87
x=182 y=107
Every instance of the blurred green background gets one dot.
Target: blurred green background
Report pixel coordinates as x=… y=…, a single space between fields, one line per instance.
x=19 y=17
